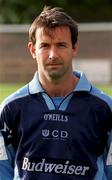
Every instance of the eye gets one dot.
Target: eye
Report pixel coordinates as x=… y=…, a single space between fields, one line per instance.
x=62 y=45
x=44 y=45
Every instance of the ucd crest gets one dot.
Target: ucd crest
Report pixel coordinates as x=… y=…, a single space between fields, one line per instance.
x=45 y=132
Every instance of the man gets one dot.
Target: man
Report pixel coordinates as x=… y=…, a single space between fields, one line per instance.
x=57 y=127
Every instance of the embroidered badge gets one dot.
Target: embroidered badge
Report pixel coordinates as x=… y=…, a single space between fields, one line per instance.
x=3 y=154
x=109 y=156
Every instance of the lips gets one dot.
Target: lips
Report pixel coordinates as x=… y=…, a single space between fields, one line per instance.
x=54 y=64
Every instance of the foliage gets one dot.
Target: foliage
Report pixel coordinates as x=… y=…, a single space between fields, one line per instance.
x=24 y=11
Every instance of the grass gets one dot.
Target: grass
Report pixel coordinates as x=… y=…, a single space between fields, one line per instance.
x=7 y=89
x=106 y=88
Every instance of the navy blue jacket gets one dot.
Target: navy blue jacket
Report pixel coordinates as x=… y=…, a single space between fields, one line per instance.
x=71 y=140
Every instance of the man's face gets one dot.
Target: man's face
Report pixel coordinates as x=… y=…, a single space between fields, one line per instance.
x=54 y=52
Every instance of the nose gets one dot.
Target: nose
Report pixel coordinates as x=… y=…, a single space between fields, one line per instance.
x=53 y=53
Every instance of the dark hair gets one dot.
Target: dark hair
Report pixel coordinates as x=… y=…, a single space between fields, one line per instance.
x=51 y=18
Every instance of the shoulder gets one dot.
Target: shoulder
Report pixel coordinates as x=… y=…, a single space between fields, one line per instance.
x=20 y=93
x=102 y=96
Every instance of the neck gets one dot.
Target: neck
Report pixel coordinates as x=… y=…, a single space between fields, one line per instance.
x=59 y=88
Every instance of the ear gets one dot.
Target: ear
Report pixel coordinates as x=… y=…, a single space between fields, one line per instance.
x=75 y=48
x=31 y=47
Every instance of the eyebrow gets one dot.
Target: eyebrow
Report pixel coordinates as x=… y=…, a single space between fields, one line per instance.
x=60 y=42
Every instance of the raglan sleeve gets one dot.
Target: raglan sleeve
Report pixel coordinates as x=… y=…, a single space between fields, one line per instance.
x=108 y=154
x=108 y=159
x=7 y=153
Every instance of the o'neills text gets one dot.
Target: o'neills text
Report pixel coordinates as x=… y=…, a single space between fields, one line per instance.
x=61 y=168
x=56 y=117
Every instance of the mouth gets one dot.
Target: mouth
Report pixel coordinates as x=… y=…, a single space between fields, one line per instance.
x=54 y=66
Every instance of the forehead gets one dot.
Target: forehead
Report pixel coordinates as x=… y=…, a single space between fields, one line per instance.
x=58 y=33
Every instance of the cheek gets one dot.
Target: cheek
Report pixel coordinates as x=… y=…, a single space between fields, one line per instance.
x=41 y=54
x=41 y=58
x=70 y=54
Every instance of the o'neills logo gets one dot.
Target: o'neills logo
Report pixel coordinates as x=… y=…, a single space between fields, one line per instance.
x=56 y=117
x=58 y=168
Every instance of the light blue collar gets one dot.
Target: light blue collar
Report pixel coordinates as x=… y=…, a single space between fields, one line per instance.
x=35 y=86
x=83 y=84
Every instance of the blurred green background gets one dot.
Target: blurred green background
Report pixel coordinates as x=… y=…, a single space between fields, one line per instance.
x=23 y=11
